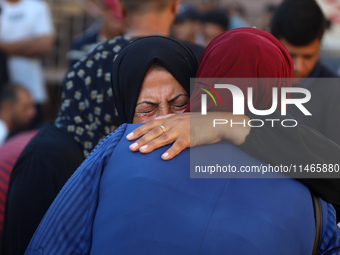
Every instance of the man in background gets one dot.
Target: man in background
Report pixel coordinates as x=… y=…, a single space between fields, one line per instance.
x=110 y=25
x=187 y=25
x=16 y=110
x=3 y=63
x=215 y=22
x=300 y=26
x=26 y=35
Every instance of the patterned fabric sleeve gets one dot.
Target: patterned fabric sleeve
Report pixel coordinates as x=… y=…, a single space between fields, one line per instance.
x=67 y=226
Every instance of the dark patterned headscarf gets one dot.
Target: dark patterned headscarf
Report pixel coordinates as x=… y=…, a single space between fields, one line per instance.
x=87 y=108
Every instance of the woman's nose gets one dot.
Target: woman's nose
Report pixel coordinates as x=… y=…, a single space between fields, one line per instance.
x=164 y=111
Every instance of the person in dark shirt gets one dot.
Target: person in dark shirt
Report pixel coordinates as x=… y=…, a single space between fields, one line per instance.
x=214 y=23
x=17 y=110
x=110 y=25
x=300 y=25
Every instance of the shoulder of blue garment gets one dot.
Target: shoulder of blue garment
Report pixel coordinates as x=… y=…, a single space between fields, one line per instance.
x=67 y=226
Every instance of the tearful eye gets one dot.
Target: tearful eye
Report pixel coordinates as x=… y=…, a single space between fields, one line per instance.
x=180 y=101
x=180 y=106
x=145 y=108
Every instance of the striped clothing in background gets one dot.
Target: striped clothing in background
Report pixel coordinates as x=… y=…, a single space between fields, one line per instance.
x=9 y=153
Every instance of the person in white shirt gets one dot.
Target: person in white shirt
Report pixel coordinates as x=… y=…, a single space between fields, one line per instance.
x=26 y=35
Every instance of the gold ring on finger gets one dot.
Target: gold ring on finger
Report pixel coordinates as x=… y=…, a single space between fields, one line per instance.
x=163 y=128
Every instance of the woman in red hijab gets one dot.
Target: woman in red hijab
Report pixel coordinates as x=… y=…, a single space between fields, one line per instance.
x=254 y=53
x=227 y=57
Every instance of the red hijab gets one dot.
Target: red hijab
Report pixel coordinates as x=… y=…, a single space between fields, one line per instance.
x=244 y=53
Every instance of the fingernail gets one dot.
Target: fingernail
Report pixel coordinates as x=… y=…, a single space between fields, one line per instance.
x=133 y=146
x=129 y=135
x=165 y=155
x=143 y=147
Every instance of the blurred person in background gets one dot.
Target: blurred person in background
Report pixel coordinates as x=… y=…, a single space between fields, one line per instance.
x=206 y=5
x=215 y=22
x=267 y=17
x=87 y=114
x=27 y=35
x=110 y=25
x=300 y=26
x=187 y=25
x=16 y=110
x=9 y=153
x=237 y=13
x=3 y=63
x=3 y=69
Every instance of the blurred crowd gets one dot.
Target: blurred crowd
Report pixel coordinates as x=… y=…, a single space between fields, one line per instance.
x=196 y=22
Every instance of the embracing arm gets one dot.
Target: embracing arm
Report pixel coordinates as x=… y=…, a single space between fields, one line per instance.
x=271 y=143
x=274 y=145
x=289 y=145
x=300 y=145
x=187 y=130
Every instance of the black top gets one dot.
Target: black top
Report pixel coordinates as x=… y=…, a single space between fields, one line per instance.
x=325 y=71
x=41 y=171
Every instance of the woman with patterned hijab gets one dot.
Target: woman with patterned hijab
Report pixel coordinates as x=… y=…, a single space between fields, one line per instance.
x=86 y=115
